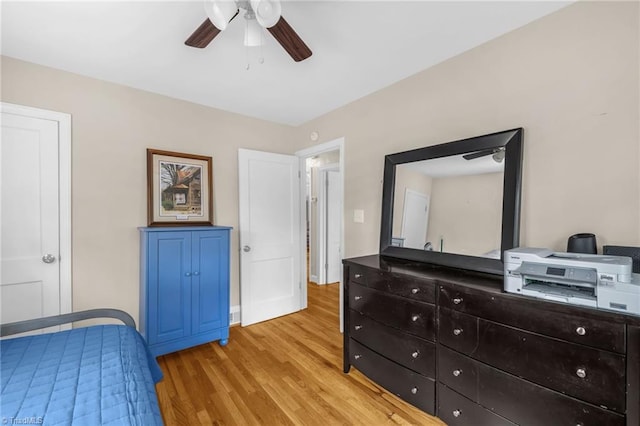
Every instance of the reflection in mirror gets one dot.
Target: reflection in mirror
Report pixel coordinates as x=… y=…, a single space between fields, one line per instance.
x=450 y=204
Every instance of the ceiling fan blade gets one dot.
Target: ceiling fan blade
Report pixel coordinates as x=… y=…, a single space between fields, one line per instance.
x=289 y=40
x=478 y=154
x=205 y=33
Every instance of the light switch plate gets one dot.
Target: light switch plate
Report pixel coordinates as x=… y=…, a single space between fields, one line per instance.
x=358 y=216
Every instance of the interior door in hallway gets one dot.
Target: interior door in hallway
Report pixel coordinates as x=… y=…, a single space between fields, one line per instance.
x=270 y=276
x=31 y=272
x=415 y=219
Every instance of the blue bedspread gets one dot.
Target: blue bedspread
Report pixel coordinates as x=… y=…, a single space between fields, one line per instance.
x=99 y=375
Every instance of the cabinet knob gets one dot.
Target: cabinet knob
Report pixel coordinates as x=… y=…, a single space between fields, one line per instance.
x=581 y=331
x=415 y=317
x=358 y=276
x=196 y=273
x=246 y=249
x=457 y=300
x=358 y=327
x=415 y=354
x=187 y=274
x=415 y=290
x=414 y=390
x=457 y=372
x=357 y=297
x=457 y=331
x=456 y=413
x=581 y=372
x=357 y=356
x=48 y=258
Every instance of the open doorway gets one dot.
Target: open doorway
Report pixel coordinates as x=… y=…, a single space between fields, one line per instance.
x=322 y=222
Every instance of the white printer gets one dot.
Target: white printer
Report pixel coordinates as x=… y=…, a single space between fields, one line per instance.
x=604 y=282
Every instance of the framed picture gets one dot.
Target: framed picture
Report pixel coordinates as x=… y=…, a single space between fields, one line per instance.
x=179 y=189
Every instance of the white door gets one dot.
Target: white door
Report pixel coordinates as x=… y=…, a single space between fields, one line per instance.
x=31 y=273
x=270 y=259
x=414 y=219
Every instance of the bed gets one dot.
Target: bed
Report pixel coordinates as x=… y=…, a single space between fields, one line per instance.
x=96 y=375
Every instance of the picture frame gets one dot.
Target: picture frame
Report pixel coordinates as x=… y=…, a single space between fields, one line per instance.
x=179 y=189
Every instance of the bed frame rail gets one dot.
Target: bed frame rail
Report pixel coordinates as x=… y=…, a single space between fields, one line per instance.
x=38 y=323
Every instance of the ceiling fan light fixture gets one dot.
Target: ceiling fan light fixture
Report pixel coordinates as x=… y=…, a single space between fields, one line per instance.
x=267 y=12
x=498 y=156
x=220 y=12
x=252 y=33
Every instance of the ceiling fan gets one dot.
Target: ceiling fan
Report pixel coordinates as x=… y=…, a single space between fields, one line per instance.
x=258 y=13
x=497 y=153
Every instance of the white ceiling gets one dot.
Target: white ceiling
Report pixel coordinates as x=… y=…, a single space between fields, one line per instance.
x=358 y=48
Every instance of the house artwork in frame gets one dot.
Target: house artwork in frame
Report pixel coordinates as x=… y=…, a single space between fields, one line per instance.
x=179 y=189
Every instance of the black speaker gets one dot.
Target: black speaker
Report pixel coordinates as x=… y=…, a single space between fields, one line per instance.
x=632 y=252
x=582 y=243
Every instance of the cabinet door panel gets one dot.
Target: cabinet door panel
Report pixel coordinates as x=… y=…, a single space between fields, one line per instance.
x=210 y=277
x=169 y=286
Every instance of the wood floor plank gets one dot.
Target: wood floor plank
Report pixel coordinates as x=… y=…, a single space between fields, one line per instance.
x=287 y=371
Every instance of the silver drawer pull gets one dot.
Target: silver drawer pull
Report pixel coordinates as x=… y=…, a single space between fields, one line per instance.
x=415 y=318
x=581 y=372
x=414 y=390
x=358 y=276
x=357 y=297
x=457 y=331
x=457 y=300
x=415 y=354
x=357 y=356
x=457 y=372
x=456 y=413
x=581 y=331
x=415 y=290
x=358 y=327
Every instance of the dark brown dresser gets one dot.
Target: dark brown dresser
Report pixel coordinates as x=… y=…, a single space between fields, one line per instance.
x=453 y=344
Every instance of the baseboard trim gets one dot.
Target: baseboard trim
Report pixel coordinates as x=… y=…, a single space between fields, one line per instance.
x=234 y=315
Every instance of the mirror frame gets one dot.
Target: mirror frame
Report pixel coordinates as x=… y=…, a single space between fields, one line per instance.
x=511 y=140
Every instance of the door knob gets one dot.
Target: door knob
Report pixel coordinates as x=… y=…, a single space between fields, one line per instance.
x=246 y=249
x=48 y=258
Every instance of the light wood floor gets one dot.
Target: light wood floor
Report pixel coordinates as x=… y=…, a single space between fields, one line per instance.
x=287 y=371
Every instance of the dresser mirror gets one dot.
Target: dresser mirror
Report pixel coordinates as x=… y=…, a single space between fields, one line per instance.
x=454 y=204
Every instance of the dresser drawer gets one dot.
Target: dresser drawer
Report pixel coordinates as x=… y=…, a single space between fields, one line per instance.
x=590 y=374
x=456 y=410
x=534 y=315
x=404 y=383
x=420 y=289
x=407 y=350
x=457 y=330
x=518 y=400
x=458 y=372
x=413 y=317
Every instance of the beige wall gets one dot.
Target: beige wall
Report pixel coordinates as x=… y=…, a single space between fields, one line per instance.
x=570 y=79
x=112 y=127
x=466 y=213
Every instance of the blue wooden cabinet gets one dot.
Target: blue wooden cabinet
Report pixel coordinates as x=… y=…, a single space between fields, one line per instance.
x=184 y=291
